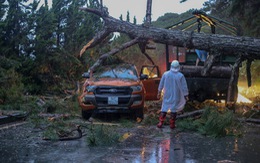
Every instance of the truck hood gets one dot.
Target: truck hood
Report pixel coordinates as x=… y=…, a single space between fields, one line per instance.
x=113 y=82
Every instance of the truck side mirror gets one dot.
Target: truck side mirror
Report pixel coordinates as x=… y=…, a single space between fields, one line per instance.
x=143 y=76
x=86 y=75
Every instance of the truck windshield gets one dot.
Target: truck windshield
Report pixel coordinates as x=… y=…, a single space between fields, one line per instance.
x=127 y=72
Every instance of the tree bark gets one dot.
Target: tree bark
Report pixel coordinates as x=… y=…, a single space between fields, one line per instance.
x=148 y=18
x=195 y=71
x=232 y=87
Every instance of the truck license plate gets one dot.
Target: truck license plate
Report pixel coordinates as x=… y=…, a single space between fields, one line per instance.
x=112 y=100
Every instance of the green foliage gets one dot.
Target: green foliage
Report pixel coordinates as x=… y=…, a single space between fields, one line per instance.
x=245 y=15
x=134 y=20
x=30 y=77
x=50 y=133
x=212 y=122
x=151 y=119
x=220 y=9
x=126 y=123
x=248 y=14
x=112 y=60
x=11 y=87
x=55 y=129
x=255 y=73
x=14 y=29
x=169 y=19
x=3 y=6
x=102 y=136
x=53 y=105
x=251 y=114
x=128 y=17
x=72 y=105
x=46 y=41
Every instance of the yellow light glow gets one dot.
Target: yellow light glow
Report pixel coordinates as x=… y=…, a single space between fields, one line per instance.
x=243 y=99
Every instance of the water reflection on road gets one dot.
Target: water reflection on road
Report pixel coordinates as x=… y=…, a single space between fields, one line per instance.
x=147 y=145
x=164 y=151
x=192 y=148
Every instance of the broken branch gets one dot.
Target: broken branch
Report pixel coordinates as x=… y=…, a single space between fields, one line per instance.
x=112 y=52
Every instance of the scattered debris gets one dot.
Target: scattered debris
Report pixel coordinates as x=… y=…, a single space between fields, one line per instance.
x=69 y=135
x=125 y=136
x=190 y=114
x=52 y=117
x=226 y=161
x=11 y=116
x=12 y=124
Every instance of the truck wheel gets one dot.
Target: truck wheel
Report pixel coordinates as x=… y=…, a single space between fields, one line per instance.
x=201 y=96
x=86 y=114
x=139 y=113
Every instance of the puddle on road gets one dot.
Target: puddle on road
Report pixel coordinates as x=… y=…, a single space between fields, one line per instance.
x=152 y=146
x=190 y=148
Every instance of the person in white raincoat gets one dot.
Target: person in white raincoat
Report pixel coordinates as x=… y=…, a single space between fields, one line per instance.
x=175 y=93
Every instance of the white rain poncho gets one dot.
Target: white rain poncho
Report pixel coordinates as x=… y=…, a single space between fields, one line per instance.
x=174 y=87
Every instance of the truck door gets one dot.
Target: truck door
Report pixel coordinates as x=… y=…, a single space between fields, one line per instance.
x=151 y=84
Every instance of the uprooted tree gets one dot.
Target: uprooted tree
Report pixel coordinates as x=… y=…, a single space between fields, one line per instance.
x=246 y=48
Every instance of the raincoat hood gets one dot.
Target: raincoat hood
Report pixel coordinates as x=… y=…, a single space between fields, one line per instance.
x=175 y=66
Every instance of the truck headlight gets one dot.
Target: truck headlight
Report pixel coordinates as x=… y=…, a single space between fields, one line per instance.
x=91 y=88
x=136 y=88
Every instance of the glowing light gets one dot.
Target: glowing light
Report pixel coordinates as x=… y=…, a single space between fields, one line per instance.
x=243 y=99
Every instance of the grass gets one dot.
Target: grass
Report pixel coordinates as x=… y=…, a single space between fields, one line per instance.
x=151 y=119
x=34 y=108
x=101 y=135
x=126 y=123
x=212 y=122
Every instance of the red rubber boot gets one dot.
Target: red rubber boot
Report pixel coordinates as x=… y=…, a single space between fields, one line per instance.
x=172 y=120
x=161 y=119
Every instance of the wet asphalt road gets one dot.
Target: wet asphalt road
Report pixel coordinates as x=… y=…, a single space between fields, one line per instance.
x=147 y=144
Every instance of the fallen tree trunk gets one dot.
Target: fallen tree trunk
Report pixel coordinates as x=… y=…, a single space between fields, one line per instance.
x=252 y=120
x=246 y=46
x=218 y=72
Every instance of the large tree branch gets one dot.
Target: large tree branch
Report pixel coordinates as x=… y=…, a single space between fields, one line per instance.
x=142 y=46
x=209 y=62
x=226 y=44
x=232 y=87
x=112 y=52
x=149 y=58
x=96 y=40
x=103 y=12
